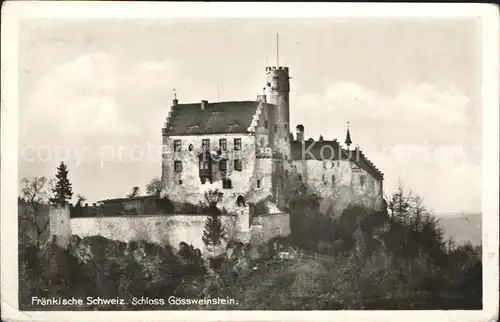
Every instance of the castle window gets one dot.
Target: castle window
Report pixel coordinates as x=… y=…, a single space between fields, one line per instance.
x=324 y=165
x=324 y=180
x=237 y=165
x=237 y=144
x=286 y=126
x=223 y=144
x=203 y=164
x=227 y=184
x=300 y=177
x=268 y=84
x=333 y=181
x=258 y=183
x=178 y=166
x=177 y=145
x=275 y=128
x=362 y=181
x=223 y=165
x=266 y=124
x=190 y=148
x=205 y=145
x=180 y=181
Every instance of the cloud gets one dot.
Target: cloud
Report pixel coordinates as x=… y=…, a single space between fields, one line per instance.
x=77 y=99
x=164 y=65
x=391 y=119
x=420 y=134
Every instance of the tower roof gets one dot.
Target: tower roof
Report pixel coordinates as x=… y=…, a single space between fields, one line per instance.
x=348 y=140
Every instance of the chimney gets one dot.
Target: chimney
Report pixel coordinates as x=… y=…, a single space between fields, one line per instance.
x=204 y=105
x=300 y=133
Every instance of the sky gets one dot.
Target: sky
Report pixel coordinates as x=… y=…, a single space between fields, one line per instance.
x=95 y=93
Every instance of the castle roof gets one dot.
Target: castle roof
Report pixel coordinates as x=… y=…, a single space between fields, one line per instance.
x=331 y=150
x=212 y=118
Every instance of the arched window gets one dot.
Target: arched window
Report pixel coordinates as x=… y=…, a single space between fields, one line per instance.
x=240 y=201
x=190 y=148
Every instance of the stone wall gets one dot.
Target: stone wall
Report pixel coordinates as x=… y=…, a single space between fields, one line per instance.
x=161 y=229
x=266 y=227
x=338 y=183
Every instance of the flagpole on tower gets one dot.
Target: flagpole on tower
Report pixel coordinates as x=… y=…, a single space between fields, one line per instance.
x=277 y=50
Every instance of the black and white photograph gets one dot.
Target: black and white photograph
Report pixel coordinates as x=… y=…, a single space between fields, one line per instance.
x=232 y=159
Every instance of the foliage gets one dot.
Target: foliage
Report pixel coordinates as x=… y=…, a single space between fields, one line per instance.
x=213 y=232
x=153 y=188
x=33 y=209
x=135 y=193
x=96 y=266
x=62 y=192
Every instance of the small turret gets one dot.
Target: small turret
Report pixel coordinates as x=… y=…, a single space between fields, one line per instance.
x=348 y=140
x=300 y=133
x=175 y=101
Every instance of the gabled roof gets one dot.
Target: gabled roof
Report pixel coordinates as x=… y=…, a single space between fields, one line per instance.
x=214 y=118
x=331 y=150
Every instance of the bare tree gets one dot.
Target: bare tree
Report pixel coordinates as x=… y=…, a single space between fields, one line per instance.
x=34 y=195
x=153 y=188
x=418 y=211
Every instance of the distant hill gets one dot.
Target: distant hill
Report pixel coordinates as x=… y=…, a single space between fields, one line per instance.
x=462 y=227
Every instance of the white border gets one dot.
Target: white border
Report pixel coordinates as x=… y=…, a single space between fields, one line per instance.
x=14 y=11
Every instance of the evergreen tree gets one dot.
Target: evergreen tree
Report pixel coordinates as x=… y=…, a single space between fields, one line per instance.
x=213 y=232
x=62 y=192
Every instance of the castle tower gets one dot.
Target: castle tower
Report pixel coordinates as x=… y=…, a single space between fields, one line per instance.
x=278 y=89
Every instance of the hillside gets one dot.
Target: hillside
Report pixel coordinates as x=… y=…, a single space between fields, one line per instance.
x=462 y=227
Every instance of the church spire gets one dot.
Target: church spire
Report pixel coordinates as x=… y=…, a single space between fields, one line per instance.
x=348 y=140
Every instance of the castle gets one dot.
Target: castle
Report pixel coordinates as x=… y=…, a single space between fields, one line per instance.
x=244 y=149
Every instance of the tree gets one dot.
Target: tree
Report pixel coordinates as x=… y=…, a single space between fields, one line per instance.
x=80 y=200
x=417 y=212
x=62 y=191
x=135 y=193
x=213 y=232
x=153 y=188
x=34 y=194
x=399 y=206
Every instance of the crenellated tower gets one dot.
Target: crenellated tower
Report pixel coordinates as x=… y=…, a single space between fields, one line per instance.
x=278 y=89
